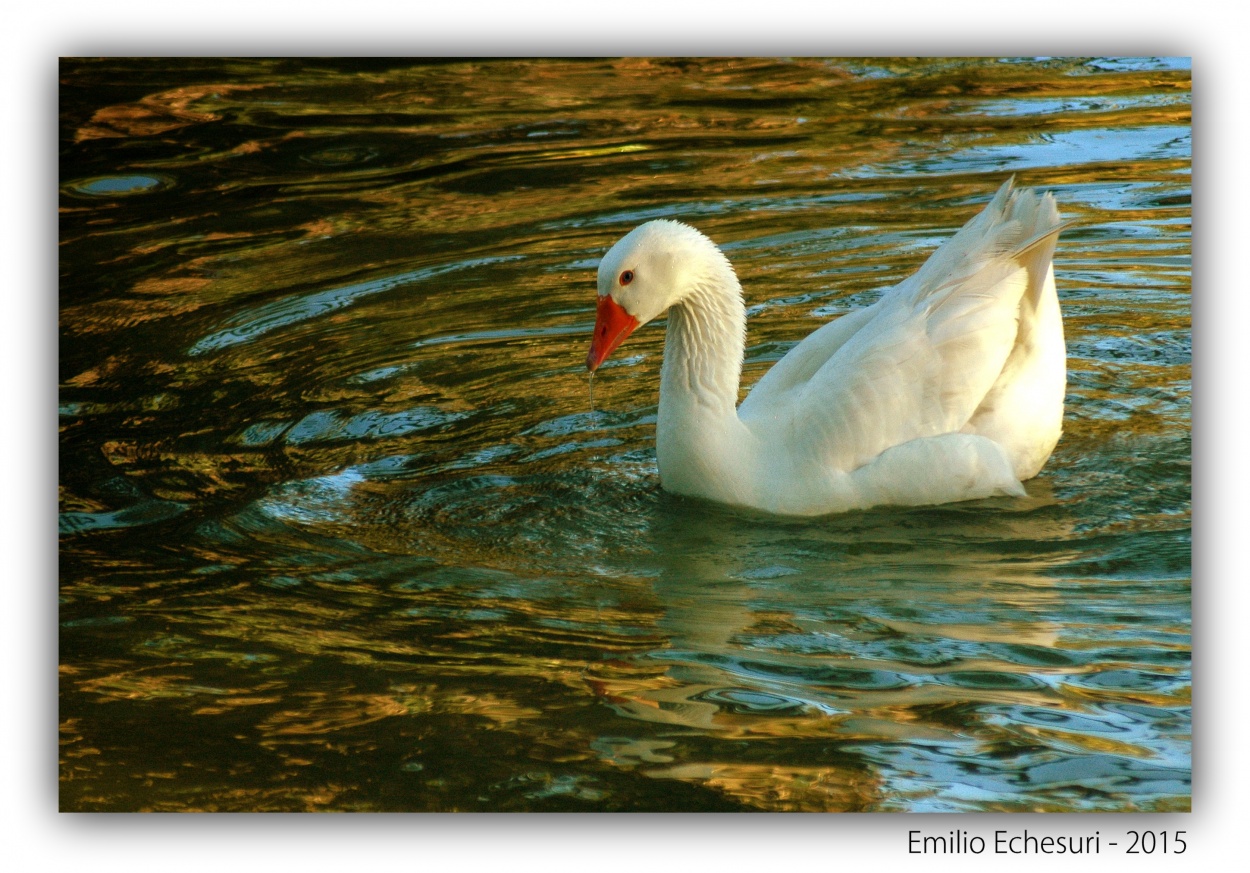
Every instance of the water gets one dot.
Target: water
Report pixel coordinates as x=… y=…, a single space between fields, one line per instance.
x=341 y=529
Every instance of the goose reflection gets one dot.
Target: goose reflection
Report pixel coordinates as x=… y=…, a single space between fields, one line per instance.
x=876 y=628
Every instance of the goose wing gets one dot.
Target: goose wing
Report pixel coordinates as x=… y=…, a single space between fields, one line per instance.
x=921 y=360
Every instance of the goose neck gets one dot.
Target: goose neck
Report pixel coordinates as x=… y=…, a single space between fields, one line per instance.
x=704 y=347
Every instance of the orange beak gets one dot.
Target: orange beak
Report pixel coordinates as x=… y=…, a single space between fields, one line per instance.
x=612 y=325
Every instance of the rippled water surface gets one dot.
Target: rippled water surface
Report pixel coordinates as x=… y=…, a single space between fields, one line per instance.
x=341 y=529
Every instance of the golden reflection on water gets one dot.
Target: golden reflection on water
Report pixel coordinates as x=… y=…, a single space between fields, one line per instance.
x=783 y=789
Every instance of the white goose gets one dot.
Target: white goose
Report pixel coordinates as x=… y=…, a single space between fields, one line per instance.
x=950 y=387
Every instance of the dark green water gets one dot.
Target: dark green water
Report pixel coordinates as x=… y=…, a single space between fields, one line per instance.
x=340 y=529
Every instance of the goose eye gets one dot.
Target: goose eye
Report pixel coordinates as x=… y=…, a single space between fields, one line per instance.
x=627 y=277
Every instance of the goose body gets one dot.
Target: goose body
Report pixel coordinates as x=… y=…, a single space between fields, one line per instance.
x=950 y=387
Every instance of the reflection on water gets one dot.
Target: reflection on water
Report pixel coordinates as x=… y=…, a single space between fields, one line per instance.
x=342 y=530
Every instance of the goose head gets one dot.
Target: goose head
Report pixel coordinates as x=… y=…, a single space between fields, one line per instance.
x=652 y=268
